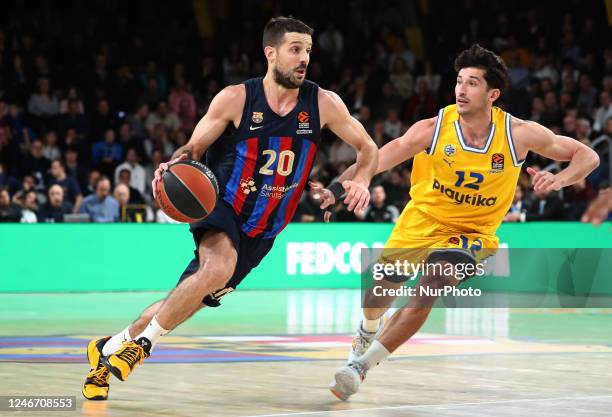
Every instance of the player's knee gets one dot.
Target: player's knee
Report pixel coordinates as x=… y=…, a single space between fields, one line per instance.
x=216 y=274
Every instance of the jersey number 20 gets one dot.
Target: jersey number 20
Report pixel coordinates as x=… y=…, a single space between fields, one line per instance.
x=284 y=166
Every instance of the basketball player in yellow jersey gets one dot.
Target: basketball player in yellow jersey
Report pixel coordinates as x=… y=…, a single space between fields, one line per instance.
x=466 y=165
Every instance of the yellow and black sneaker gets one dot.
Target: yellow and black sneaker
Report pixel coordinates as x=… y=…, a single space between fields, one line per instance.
x=96 y=386
x=132 y=353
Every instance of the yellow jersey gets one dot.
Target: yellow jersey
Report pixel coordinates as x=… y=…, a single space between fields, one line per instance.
x=468 y=189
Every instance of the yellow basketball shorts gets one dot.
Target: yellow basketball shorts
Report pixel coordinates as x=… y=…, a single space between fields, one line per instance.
x=418 y=237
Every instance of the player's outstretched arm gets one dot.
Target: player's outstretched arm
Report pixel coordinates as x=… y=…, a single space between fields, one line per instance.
x=541 y=140
x=416 y=139
x=336 y=117
x=226 y=107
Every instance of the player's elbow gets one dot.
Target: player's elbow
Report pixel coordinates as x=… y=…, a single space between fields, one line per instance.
x=593 y=159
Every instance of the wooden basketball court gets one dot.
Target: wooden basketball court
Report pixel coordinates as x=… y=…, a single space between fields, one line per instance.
x=272 y=353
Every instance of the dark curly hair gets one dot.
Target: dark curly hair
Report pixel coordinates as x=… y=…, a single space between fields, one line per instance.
x=496 y=72
x=277 y=27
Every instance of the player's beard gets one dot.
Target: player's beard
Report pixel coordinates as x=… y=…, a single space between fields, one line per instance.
x=287 y=80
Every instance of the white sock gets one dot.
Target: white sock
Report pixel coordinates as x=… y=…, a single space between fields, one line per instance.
x=114 y=343
x=153 y=332
x=370 y=326
x=375 y=354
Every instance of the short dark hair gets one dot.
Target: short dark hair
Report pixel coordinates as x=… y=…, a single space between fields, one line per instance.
x=277 y=27
x=496 y=72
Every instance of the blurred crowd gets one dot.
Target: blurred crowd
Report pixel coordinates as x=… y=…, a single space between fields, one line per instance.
x=94 y=96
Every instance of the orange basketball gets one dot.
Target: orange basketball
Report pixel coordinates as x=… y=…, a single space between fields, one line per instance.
x=188 y=191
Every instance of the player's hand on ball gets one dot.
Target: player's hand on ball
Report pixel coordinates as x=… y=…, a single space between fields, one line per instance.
x=357 y=195
x=163 y=167
x=544 y=180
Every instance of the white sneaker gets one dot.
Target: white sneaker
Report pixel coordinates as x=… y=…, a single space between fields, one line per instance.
x=362 y=341
x=347 y=380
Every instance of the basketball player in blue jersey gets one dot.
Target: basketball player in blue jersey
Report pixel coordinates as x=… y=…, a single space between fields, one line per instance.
x=262 y=170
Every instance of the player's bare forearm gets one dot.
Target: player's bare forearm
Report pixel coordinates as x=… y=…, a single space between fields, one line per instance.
x=367 y=161
x=583 y=161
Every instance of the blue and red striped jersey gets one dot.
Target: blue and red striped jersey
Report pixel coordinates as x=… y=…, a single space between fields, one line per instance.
x=263 y=167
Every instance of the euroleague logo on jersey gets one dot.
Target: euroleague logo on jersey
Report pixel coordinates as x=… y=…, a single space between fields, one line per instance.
x=497 y=162
x=303 y=117
x=303 y=123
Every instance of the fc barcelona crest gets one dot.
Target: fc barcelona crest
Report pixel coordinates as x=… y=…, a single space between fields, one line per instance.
x=257 y=117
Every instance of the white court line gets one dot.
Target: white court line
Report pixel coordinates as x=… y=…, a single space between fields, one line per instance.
x=451 y=405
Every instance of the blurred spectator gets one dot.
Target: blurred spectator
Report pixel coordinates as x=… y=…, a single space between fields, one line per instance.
x=55 y=208
x=9 y=212
x=130 y=211
x=43 y=104
x=137 y=121
x=152 y=73
x=8 y=181
x=518 y=73
x=181 y=100
x=583 y=131
x=422 y=104
x=124 y=177
x=404 y=53
x=433 y=79
x=157 y=157
x=386 y=102
x=74 y=168
x=587 y=95
x=122 y=195
x=365 y=118
x=107 y=154
x=379 y=211
x=92 y=179
x=127 y=140
x=357 y=95
x=159 y=140
x=100 y=206
x=544 y=206
x=35 y=163
x=50 y=149
x=544 y=68
x=332 y=42
x=537 y=108
x=393 y=125
x=603 y=112
x=72 y=190
x=103 y=120
x=552 y=114
x=396 y=190
x=72 y=95
x=73 y=119
x=576 y=198
x=138 y=175
x=164 y=117
x=401 y=79
x=125 y=89
x=29 y=208
x=518 y=209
